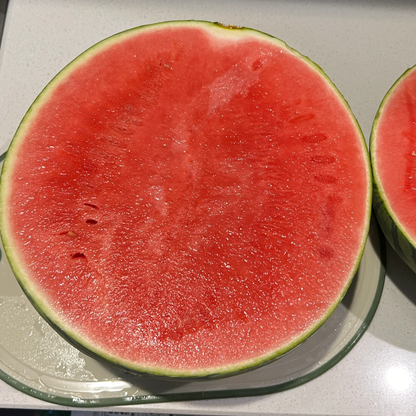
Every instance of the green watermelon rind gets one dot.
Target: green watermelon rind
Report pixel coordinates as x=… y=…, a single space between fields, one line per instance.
x=42 y=306
x=393 y=230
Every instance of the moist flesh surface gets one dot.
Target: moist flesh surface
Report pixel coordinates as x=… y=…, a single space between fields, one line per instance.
x=189 y=200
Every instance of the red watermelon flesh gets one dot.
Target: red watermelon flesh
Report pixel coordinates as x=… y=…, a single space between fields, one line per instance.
x=187 y=199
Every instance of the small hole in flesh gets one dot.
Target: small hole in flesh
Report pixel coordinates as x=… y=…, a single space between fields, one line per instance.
x=91 y=205
x=79 y=256
x=91 y=221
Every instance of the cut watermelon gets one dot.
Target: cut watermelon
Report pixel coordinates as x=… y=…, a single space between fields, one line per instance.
x=187 y=199
x=393 y=157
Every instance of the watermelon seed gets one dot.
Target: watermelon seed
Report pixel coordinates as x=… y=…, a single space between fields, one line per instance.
x=91 y=221
x=91 y=205
x=123 y=129
x=70 y=233
x=78 y=256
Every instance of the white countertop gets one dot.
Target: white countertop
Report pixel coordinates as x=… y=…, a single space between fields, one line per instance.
x=364 y=46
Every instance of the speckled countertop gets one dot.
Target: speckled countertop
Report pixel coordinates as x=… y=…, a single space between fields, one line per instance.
x=364 y=46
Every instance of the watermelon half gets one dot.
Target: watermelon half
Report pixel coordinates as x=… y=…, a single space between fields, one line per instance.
x=187 y=199
x=393 y=158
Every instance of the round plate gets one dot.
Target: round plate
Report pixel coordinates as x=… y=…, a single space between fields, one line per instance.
x=36 y=360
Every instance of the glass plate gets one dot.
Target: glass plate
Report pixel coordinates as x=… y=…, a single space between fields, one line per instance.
x=37 y=361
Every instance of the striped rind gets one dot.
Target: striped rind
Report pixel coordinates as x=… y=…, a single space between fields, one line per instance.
x=392 y=229
x=23 y=275
x=391 y=226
